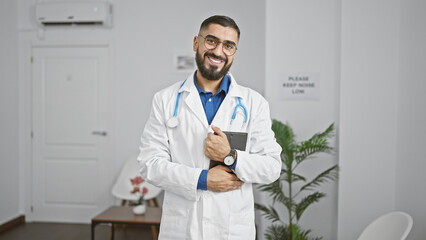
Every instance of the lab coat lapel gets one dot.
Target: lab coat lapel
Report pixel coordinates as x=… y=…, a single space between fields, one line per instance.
x=234 y=89
x=193 y=100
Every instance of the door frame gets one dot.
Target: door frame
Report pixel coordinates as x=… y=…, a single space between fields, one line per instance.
x=26 y=111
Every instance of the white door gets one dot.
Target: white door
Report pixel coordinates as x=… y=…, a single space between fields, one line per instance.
x=71 y=133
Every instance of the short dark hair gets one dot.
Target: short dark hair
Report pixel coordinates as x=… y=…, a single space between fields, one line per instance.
x=224 y=21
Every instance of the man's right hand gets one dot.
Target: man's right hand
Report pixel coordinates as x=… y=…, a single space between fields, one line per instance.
x=221 y=179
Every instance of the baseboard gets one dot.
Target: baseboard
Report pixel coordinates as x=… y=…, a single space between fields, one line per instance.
x=12 y=223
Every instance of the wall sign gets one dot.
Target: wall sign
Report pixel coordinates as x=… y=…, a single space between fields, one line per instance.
x=299 y=86
x=184 y=62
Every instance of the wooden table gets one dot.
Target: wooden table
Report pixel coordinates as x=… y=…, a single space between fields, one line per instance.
x=125 y=215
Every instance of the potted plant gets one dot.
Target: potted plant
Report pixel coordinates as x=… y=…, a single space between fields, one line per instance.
x=295 y=197
x=139 y=204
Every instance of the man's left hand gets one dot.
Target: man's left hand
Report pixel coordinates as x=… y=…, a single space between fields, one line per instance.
x=217 y=146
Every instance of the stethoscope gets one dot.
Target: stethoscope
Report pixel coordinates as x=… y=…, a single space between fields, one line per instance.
x=174 y=121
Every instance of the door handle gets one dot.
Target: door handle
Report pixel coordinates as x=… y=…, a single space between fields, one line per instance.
x=99 y=133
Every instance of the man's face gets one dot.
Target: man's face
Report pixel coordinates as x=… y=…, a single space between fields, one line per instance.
x=213 y=64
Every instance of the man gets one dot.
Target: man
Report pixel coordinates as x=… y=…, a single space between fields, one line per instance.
x=178 y=144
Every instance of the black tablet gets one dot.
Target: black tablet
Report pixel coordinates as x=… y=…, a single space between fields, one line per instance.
x=237 y=140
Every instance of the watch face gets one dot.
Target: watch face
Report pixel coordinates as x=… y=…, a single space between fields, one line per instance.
x=229 y=160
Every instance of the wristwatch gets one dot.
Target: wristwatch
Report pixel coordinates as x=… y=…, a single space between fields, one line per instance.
x=229 y=160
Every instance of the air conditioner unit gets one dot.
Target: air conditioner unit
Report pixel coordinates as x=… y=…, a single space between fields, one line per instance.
x=74 y=13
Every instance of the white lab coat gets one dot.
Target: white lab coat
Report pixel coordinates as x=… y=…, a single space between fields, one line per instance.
x=173 y=158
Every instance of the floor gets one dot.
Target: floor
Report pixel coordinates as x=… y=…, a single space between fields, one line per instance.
x=64 y=231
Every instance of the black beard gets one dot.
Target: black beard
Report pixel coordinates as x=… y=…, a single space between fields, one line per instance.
x=211 y=74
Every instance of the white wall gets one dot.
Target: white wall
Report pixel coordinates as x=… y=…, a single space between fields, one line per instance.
x=411 y=141
x=303 y=36
x=368 y=113
x=9 y=106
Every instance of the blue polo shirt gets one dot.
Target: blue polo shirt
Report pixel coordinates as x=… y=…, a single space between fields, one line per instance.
x=211 y=104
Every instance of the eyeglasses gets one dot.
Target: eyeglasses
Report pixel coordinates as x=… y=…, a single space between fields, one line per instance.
x=228 y=47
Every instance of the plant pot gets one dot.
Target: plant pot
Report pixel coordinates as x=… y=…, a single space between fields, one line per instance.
x=139 y=209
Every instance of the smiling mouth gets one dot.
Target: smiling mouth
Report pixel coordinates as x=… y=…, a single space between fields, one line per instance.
x=215 y=61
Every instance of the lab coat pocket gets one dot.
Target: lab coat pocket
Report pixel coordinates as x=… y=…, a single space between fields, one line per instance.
x=174 y=222
x=241 y=226
x=173 y=227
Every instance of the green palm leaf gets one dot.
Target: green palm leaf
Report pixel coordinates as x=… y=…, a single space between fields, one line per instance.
x=328 y=133
x=300 y=234
x=306 y=202
x=310 y=147
x=318 y=143
x=285 y=138
x=275 y=190
x=293 y=178
x=275 y=232
x=283 y=134
x=269 y=212
x=330 y=174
